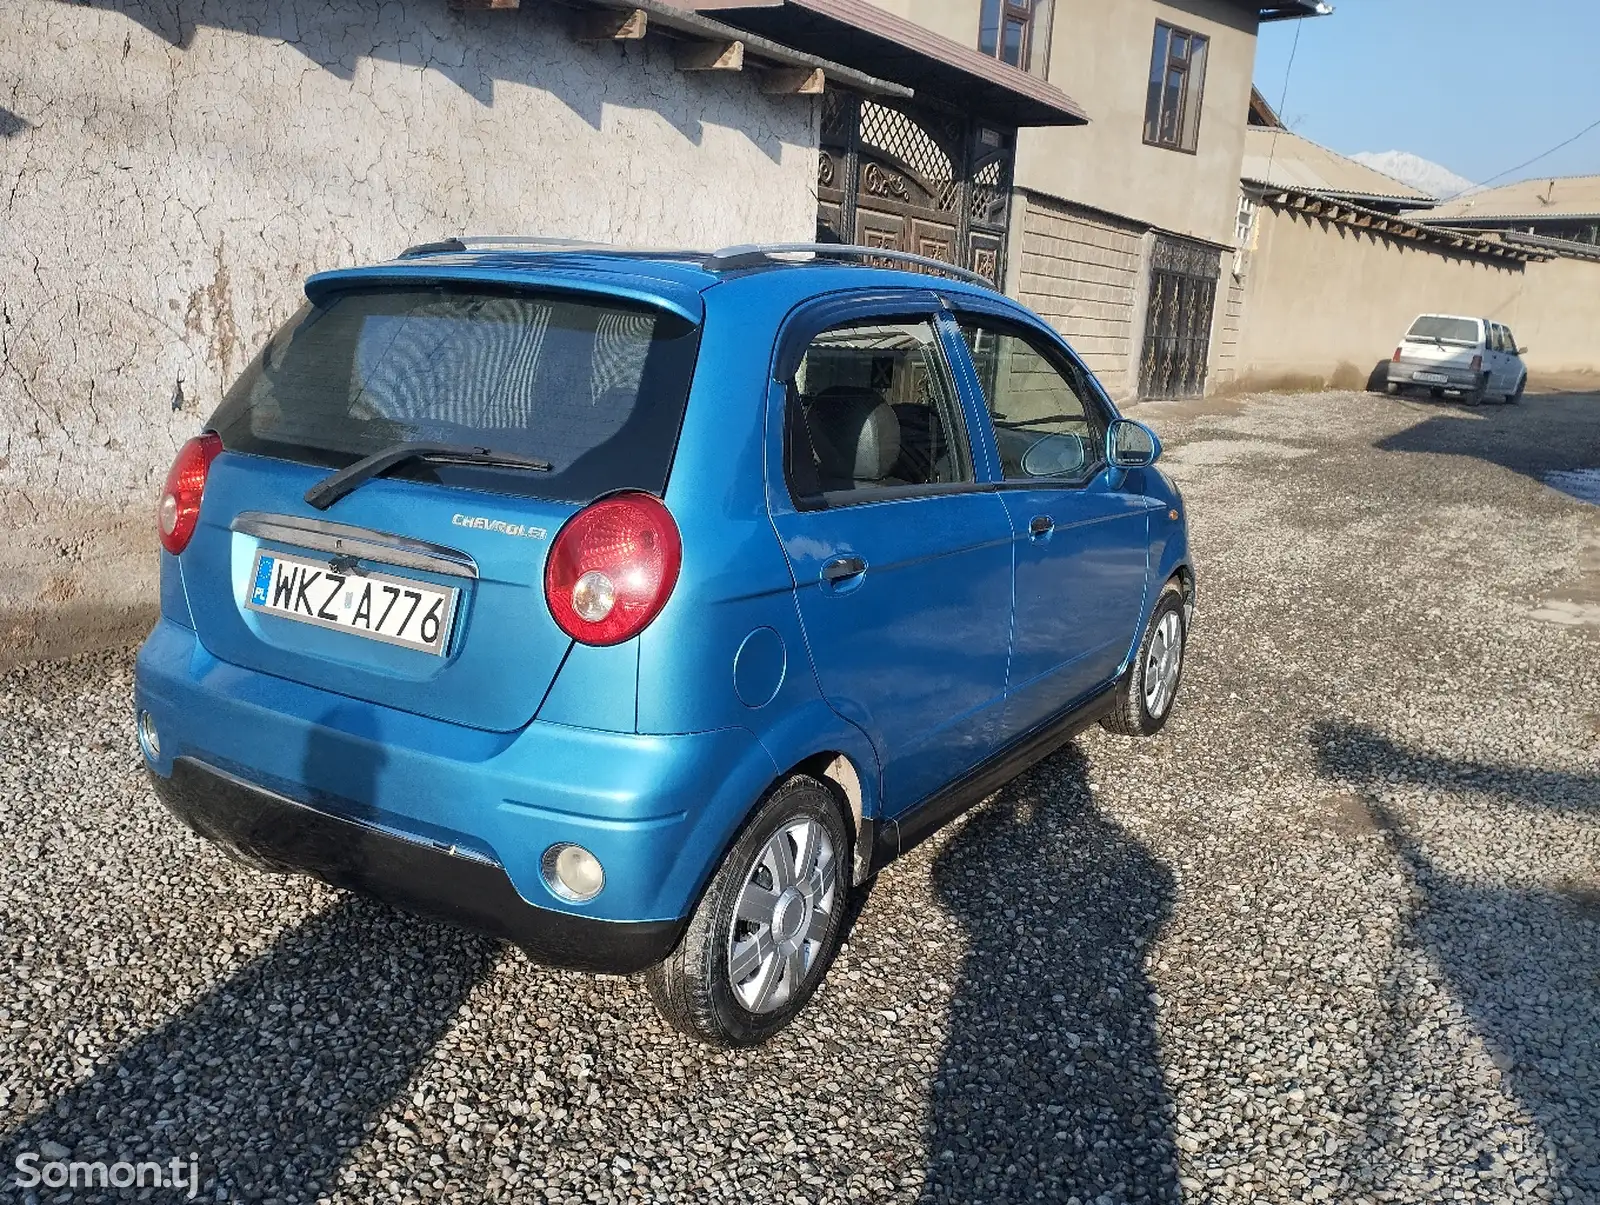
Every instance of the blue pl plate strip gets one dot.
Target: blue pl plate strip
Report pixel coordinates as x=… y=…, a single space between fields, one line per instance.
x=263 y=580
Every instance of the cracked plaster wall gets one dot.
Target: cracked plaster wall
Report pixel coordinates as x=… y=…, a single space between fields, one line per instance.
x=170 y=173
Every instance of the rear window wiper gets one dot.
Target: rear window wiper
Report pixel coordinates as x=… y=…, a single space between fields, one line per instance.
x=336 y=485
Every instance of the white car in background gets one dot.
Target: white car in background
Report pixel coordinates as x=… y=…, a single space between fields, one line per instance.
x=1474 y=357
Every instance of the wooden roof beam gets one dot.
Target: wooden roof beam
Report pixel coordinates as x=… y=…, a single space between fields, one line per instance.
x=794 y=81
x=611 y=25
x=709 y=56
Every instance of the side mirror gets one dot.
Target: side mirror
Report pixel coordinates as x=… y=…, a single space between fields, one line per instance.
x=1131 y=445
x=1054 y=456
x=1519 y=351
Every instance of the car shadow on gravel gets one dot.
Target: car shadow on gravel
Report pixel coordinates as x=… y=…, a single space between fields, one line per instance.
x=271 y=1079
x=1524 y=963
x=1547 y=433
x=1050 y=1083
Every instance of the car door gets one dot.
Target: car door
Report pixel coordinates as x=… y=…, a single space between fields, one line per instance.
x=1080 y=538
x=1495 y=357
x=901 y=557
x=1514 y=365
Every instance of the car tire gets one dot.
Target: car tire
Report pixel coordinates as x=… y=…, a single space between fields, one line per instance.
x=1435 y=392
x=1148 y=690
x=1516 y=395
x=736 y=979
x=1475 y=395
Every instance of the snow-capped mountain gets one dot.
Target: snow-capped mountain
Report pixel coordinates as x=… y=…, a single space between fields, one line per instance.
x=1424 y=174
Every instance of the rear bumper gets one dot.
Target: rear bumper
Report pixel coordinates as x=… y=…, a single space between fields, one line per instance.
x=275 y=833
x=1403 y=372
x=657 y=811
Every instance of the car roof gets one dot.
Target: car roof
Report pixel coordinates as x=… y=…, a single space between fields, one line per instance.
x=670 y=278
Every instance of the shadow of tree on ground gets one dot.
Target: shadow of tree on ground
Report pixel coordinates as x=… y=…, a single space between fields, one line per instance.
x=1524 y=963
x=273 y=1077
x=1050 y=1084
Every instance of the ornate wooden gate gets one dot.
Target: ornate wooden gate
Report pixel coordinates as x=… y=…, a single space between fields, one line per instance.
x=915 y=179
x=1177 y=327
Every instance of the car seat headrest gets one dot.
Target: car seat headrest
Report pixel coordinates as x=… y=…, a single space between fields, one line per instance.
x=856 y=434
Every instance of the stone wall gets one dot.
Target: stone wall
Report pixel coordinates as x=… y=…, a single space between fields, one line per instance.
x=1325 y=303
x=168 y=175
x=1226 y=325
x=1080 y=270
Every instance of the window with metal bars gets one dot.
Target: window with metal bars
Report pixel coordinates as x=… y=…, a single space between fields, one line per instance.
x=1177 y=82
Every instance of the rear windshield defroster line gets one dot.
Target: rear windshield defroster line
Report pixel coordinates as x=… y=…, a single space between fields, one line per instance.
x=592 y=385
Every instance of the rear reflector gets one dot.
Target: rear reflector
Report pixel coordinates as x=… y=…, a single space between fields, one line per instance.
x=612 y=568
x=179 y=508
x=1477 y=363
x=1397 y=355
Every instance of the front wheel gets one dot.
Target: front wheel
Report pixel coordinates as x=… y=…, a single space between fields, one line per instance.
x=1516 y=395
x=767 y=927
x=1148 y=689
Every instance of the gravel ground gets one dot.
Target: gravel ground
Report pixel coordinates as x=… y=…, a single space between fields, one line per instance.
x=1334 y=936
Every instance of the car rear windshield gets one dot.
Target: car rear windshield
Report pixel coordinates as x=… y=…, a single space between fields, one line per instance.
x=1446 y=330
x=594 y=386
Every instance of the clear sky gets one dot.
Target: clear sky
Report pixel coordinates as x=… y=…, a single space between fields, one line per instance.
x=1475 y=85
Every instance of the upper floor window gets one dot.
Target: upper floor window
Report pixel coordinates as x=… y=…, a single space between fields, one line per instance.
x=1005 y=31
x=1177 y=80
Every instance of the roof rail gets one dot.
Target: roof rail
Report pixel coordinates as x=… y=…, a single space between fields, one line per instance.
x=470 y=242
x=755 y=255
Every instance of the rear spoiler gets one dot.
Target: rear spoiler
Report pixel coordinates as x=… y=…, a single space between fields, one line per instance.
x=649 y=291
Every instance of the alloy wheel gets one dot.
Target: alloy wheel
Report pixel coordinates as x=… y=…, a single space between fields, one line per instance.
x=782 y=916
x=1163 y=661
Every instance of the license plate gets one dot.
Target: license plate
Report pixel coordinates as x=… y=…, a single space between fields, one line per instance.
x=396 y=610
x=1432 y=378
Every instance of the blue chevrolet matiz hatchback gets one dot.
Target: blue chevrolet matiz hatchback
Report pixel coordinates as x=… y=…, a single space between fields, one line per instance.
x=636 y=607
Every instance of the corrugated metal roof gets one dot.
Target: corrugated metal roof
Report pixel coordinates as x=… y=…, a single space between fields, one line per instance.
x=1290 y=161
x=1526 y=200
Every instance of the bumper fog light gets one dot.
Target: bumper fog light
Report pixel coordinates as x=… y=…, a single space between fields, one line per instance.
x=149 y=739
x=573 y=873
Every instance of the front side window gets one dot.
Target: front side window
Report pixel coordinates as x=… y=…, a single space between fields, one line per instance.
x=872 y=407
x=1005 y=31
x=1048 y=427
x=1177 y=81
x=595 y=387
x=1508 y=341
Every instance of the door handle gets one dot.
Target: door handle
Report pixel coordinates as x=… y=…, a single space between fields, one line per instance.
x=842 y=568
x=1040 y=526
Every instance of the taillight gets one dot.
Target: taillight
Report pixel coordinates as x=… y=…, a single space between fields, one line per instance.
x=1397 y=355
x=179 y=509
x=1477 y=363
x=612 y=568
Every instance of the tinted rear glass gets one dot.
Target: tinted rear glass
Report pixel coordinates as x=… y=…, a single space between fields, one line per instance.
x=1451 y=330
x=595 y=387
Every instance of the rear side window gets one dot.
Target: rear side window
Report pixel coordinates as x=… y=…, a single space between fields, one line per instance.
x=872 y=407
x=1447 y=330
x=595 y=387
